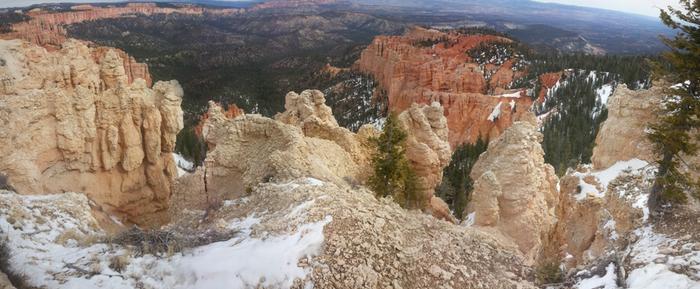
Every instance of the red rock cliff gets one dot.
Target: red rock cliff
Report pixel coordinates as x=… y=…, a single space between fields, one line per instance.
x=412 y=72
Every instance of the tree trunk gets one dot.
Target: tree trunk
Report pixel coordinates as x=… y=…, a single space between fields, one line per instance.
x=656 y=194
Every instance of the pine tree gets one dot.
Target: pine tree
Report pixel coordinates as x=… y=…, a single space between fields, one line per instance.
x=393 y=175
x=671 y=135
x=456 y=185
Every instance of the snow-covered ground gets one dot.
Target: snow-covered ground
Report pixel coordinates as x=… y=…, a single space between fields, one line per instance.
x=56 y=242
x=654 y=260
x=604 y=177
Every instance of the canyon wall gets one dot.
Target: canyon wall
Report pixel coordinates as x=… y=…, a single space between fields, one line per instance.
x=475 y=97
x=47 y=28
x=73 y=121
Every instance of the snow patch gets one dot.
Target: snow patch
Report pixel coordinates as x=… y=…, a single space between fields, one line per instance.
x=609 y=281
x=183 y=166
x=604 y=93
x=240 y=262
x=604 y=177
x=470 y=220
x=244 y=261
x=659 y=276
x=495 y=113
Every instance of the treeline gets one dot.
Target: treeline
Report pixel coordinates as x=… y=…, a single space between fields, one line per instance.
x=7 y=19
x=456 y=185
x=631 y=70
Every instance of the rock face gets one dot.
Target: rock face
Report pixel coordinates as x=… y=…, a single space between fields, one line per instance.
x=306 y=141
x=72 y=121
x=303 y=141
x=5 y=282
x=515 y=192
x=589 y=228
x=474 y=96
x=622 y=136
x=428 y=150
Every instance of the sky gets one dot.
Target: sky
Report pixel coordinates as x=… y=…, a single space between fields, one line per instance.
x=645 y=7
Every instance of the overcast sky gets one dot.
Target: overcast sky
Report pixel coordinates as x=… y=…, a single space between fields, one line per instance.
x=646 y=7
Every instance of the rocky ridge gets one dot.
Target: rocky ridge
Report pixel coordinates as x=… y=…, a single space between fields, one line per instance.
x=85 y=127
x=306 y=141
x=475 y=97
x=47 y=28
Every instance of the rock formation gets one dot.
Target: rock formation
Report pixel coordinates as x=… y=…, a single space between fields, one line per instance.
x=589 y=228
x=515 y=192
x=428 y=150
x=303 y=141
x=413 y=73
x=74 y=122
x=622 y=136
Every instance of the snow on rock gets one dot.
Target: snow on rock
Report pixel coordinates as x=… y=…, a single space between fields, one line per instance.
x=656 y=258
x=183 y=165
x=604 y=93
x=515 y=94
x=55 y=241
x=272 y=260
x=495 y=113
x=604 y=177
x=659 y=276
x=609 y=281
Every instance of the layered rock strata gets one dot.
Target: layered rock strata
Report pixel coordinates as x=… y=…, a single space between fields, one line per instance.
x=475 y=97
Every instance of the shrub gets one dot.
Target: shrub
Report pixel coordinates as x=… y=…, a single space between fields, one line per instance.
x=549 y=273
x=5 y=184
x=165 y=242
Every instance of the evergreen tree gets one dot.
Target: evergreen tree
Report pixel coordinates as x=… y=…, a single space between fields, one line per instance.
x=456 y=185
x=671 y=135
x=393 y=175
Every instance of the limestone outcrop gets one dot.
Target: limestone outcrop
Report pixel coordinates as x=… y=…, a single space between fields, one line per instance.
x=475 y=97
x=428 y=150
x=73 y=121
x=515 y=192
x=622 y=136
